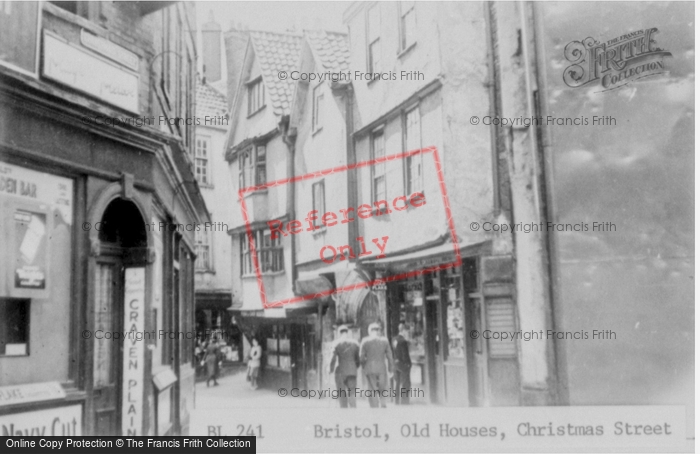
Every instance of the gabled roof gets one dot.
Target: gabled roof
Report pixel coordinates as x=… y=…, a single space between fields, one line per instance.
x=331 y=49
x=277 y=52
x=210 y=102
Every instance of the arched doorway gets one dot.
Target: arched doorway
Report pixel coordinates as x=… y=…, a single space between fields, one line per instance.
x=368 y=313
x=123 y=245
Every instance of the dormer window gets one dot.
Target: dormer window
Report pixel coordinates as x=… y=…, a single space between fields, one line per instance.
x=256 y=95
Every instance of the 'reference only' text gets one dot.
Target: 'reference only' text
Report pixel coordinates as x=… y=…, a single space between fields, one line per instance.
x=317 y=222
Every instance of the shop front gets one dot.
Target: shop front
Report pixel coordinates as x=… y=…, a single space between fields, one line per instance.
x=90 y=252
x=288 y=337
x=442 y=306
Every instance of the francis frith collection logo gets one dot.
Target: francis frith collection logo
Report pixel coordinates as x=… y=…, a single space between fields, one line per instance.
x=616 y=62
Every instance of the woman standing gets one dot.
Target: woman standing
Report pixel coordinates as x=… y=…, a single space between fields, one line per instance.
x=212 y=361
x=254 y=363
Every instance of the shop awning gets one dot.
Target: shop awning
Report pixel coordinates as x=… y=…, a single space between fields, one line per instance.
x=313 y=285
x=432 y=256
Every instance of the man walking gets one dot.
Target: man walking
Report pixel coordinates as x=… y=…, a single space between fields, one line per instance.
x=347 y=353
x=402 y=366
x=376 y=357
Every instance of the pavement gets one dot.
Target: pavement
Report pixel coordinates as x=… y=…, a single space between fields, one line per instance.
x=234 y=392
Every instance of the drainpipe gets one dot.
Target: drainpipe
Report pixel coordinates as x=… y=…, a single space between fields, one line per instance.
x=519 y=85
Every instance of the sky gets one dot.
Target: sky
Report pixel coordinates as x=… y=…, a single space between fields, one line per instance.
x=277 y=16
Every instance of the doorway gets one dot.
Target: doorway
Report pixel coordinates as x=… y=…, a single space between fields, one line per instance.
x=368 y=314
x=122 y=244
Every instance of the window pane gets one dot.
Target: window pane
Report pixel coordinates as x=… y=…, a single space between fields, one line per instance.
x=413 y=142
x=260 y=172
x=378 y=145
x=409 y=28
x=373 y=19
x=375 y=56
x=413 y=130
x=319 y=202
x=14 y=327
x=318 y=107
x=380 y=188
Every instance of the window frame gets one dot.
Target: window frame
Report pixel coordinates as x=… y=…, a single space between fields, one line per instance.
x=259 y=96
x=201 y=264
x=410 y=185
x=378 y=132
x=250 y=166
x=404 y=43
x=206 y=140
x=318 y=98
x=27 y=309
x=319 y=206
x=270 y=256
x=373 y=41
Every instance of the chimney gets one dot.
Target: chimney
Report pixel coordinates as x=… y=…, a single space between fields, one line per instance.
x=235 y=42
x=211 y=49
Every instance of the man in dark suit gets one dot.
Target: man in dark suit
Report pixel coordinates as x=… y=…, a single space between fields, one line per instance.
x=347 y=353
x=402 y=366
x=376 y=356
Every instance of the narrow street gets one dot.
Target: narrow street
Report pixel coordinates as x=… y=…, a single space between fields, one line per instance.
x=234 y=393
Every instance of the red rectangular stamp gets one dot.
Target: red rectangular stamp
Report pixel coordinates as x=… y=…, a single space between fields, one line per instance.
x=389 y=224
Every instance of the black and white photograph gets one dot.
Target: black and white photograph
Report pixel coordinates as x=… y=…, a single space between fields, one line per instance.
x=347 y=226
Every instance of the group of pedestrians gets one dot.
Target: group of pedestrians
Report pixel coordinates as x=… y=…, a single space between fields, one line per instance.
x=379 y=365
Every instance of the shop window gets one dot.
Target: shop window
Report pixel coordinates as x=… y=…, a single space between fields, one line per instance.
x=411 y=313
x=378 y=169
x=413 y=164
x=269 y=252
x=455 y=313
x=202 y=161
x=252 y=167
x=256 y=95
x=408 y=24
x=14 y=327
x=374 y=50
x=318 y=196
x=279 y=348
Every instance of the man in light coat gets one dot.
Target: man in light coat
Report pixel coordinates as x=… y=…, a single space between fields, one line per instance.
x=377 y=364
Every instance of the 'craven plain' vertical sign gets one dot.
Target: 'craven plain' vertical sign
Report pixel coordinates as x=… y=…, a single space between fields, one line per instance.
x=132 y=382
